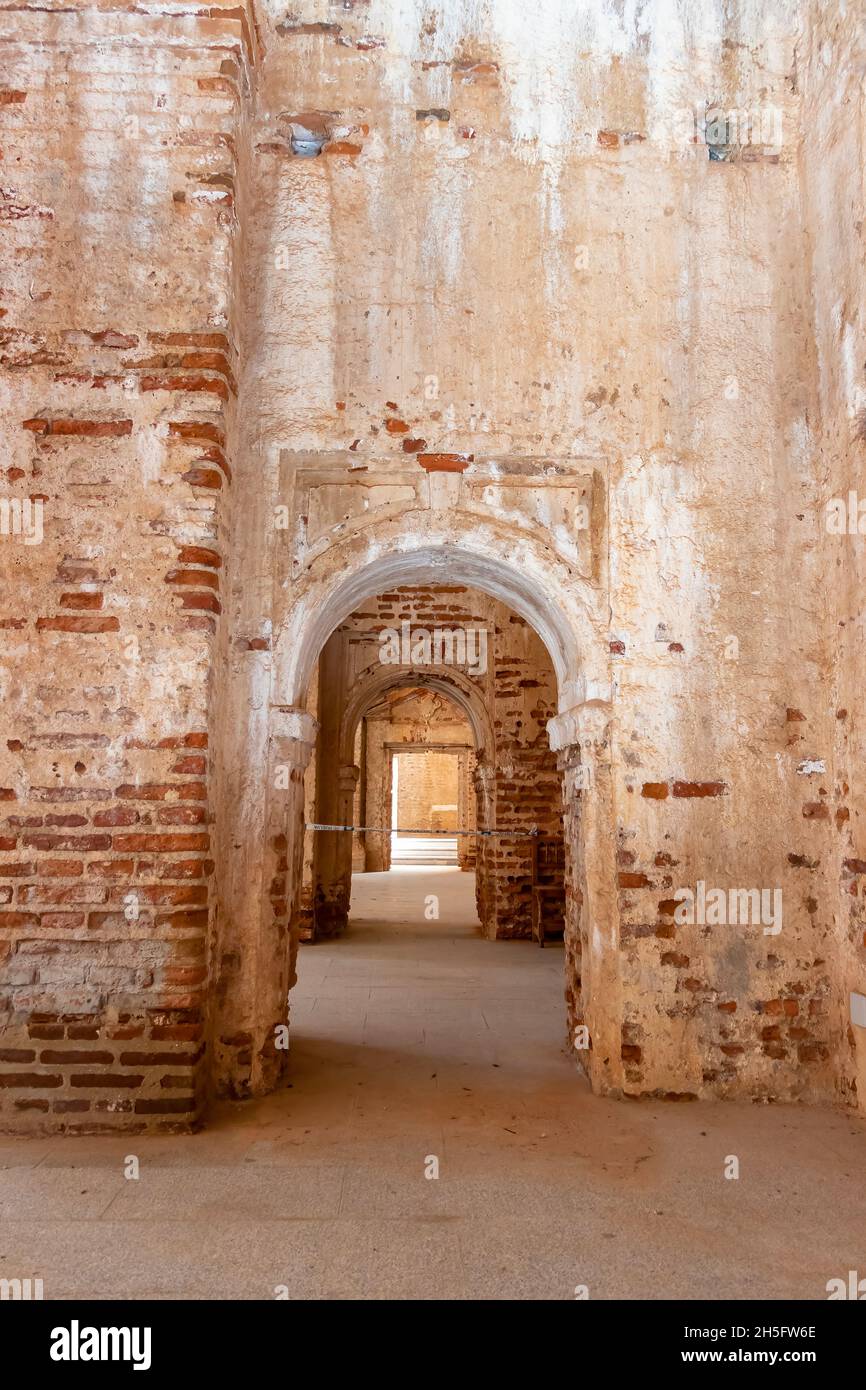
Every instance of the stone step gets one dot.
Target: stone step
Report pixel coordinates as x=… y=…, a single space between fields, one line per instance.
x=423 y=849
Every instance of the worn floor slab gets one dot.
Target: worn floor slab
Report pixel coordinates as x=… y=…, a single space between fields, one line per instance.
x=416 y=1040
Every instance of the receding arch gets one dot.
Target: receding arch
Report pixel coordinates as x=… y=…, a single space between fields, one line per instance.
x=453 y=684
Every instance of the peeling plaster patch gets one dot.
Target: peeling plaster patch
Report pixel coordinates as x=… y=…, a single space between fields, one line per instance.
x=150 y=448
x=854 y=393
x=442 y=241
x=811 y=765
x=540 y=47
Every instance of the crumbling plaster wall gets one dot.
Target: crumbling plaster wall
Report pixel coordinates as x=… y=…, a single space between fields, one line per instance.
x=833 y=160
x=507 y=289
x=577 y=306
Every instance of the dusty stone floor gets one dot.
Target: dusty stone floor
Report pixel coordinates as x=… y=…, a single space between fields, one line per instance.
x=414 y=1038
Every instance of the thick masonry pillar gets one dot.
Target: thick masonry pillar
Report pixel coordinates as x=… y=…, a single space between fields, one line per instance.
x=466 y=845
x=332 y=856
x=377 y=847
x=347 y=783
x=328 y=910
x=484 y=778
x=582 y=738
x=251 y=1050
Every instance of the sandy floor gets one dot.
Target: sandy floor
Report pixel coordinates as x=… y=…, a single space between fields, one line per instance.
x=412 y=1040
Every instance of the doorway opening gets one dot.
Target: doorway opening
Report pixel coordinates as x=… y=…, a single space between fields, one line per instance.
x=432 y=704
x=540 y=740
x=421 y=909
x=425 y=792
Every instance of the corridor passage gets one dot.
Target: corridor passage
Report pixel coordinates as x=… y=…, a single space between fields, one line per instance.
x=403 y=992
x=414 y=1040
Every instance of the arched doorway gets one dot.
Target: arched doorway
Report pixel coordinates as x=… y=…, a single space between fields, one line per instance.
x=343 y=781
x=550 y=597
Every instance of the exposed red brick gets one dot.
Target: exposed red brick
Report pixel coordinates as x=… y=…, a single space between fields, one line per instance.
x=676 y=958
x=18 y=919
x=94 y=429
x=162 y=791
x=62 y=921
x=193 y=763
x=203 y=477
x=209 y=602
x=181 y=815
x=347 y=147
x=199 y=555
x=79 y=625
x=213 y=384
x=193 y=578
x=196 y=431
x=118 y=815
x=161 y=844
x=81 y=843
x=445 y=463
x=81 y=600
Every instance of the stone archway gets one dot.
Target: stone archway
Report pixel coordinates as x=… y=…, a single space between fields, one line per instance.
x=427 y=548
x=458 y=688
x=569 y=617
x=453 y=684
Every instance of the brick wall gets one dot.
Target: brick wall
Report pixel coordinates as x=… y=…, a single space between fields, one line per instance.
x=425 y=781
x=119 y=365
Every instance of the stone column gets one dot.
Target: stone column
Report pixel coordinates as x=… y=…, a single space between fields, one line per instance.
x=359 y=815
x=484 y=778
x=377 y=848
x=582 y=738
x=327 y=917
x=347 y=784
x=253 y=987
x=465 y=843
